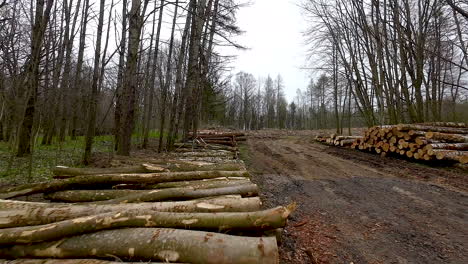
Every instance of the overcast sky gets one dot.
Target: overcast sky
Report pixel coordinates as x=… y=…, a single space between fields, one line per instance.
x=274 y=38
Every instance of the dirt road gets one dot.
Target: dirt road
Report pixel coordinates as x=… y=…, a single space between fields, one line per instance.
x=357 y=207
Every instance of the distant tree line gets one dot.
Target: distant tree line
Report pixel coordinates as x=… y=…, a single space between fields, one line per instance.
x=395 y=61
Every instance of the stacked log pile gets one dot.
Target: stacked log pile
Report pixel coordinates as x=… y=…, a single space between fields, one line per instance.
x=222 y=138
x=169 y=211
x=335 y=140
x=426 y=141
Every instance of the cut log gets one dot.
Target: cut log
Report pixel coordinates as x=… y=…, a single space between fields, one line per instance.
x=446 y=124
x=203 y=154
x=455 y=155
x=111 y=179
x=221 y=142
x=449 y=146
x=71 y=261
x=149 y=244
x=453 y=138
x=212 y=147
x=220 y=222
x=204 y=166
x=449 y=130
x=218 y=134
x=63 y=171
x=206 y=184
x=16 y=213
x=174 y=194
x=184 y=193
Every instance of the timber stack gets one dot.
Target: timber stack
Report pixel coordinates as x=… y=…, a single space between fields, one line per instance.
x=214 y=137
x=337 y=140
x=182 y=209
x=426 y=141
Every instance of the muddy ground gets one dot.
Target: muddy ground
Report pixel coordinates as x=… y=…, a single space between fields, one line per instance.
x=356 y=207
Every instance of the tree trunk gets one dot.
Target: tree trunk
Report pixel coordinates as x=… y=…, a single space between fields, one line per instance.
x=92 y=112
x=449 y=146
x=450 y=130
x=184 y=193
x=453 y=138
x=67 y=172
x=130 y=81
x=33 y=75
x=16 y=213
x=160 y=244
x=111 y=179
x=167 y=78
x=220 y=222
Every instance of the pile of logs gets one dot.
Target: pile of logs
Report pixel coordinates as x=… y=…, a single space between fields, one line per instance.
x=184 y=211
x=335 y=140
x=221 y=138
x=426 y=141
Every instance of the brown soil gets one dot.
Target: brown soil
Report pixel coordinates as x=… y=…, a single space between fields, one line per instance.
x=357 y=207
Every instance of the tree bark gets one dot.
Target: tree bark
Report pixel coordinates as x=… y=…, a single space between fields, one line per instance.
x=67 y=172
x=92 y=104
x=220 y=222
x=184 y=193
x=160 y=244
x=173 y=194
x=453 y=138
x=33 y=75
x=450 y=130
x=111 y=179
x=16 y=213
x=449 y=146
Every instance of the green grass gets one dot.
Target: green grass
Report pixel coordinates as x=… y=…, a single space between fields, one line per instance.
x=36 y=168
x=14 y=170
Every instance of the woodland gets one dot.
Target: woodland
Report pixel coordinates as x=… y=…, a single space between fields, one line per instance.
x=135 y=70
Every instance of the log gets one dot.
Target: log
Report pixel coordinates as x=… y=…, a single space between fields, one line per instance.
x=453 y=138
x=221 y=142
x=204 y=166
x=213 y=147
x=446 y=124
x=449 y=130
x=16 y=213
x=454 y=155
x=70 y=261
x=220 y=222
x=218 y=134
x=151 y=244
x=184 y=193
x=203 y=154
x=449 y=146
x=206 y=184
x=111 y=179
x=63 y=171
x=174 y=194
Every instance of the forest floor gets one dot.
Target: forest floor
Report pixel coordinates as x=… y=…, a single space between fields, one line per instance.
x=357 y=207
